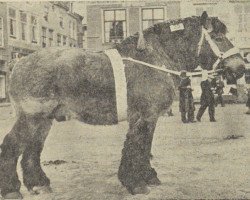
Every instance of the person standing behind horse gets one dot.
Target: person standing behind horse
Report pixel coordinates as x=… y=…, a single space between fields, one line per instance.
x=248 y=101
x=186 y=99
x=207 y=98
x=219 y=91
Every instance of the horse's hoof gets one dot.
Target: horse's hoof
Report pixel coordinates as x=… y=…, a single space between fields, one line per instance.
x=141 y=190
x=32 y=192
x=41 y=190
x=13 y=195
x=154 y=182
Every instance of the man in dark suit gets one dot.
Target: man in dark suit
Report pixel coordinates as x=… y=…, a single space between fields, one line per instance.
x=219 y=91
x=186 y=105
x=207 y=99
x=248 y=101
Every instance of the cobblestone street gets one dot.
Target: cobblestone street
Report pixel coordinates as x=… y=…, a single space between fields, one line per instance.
x=199 y=160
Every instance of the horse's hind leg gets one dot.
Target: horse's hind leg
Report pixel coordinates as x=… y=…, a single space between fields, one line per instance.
x=33 y=175
x=11 y=149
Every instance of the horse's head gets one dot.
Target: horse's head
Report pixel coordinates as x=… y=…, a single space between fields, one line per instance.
x=216 y=52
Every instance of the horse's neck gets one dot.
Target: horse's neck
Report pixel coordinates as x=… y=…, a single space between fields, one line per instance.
x=171 y=57
x=149 y=55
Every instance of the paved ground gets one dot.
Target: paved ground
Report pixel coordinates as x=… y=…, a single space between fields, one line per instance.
x=193 y=161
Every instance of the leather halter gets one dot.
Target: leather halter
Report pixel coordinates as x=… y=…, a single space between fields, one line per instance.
x=221 y=55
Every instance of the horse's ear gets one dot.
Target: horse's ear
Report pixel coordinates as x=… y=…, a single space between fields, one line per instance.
x=206 y=21
x=204 y=17
x=141 y=43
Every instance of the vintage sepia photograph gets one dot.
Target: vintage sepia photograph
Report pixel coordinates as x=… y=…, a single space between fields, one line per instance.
x=124 y=99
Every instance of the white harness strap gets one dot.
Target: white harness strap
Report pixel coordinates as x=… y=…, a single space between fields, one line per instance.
x=214 y=47
x=120 y=83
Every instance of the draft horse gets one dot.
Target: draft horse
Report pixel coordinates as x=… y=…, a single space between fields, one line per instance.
x=55 y=82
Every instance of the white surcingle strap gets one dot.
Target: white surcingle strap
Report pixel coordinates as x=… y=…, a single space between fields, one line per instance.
x=120 y=83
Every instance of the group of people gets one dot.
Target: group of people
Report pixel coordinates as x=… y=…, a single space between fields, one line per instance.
x=210 y=87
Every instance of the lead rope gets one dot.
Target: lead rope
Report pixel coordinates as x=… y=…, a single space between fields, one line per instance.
x=163 y=68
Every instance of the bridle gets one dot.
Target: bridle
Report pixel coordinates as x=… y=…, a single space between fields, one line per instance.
x=221 y=55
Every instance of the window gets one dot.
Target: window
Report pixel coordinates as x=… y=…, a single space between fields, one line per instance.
x=12 y=22
x=23 y=20
x=151 y=16
x=1 y=32
x=51 y=37
x=114 y=25
x=61 y=22
x=64 y=40
x=33 y=28
x=2 y=86
x=70 y=29
x=44 y=36
x=243 y=12
x=74 y=31
x=71 y=7
x=46 y=13
x=59 y=40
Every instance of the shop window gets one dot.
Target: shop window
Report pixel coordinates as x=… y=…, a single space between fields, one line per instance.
x=115 y=25
x=23 y=24
x=12 y=22
x=1 y=32
x=33 y=29
x=44 y=37
x=151 y=16
x=51 y=37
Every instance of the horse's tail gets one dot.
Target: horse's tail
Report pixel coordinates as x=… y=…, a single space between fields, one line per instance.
x=12 y=63
x=15 y=111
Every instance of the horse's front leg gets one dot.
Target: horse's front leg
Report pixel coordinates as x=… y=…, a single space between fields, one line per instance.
x=33 y=175
x=135 y=171
x=150 y=175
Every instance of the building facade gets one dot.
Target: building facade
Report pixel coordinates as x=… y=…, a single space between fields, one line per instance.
x=110 y=22
x=3 y=51
x=26 y=27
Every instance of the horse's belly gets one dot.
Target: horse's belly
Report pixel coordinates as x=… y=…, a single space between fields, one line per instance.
x=96 y=111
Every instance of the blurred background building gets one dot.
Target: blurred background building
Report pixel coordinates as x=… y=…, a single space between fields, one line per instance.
x=28 y=26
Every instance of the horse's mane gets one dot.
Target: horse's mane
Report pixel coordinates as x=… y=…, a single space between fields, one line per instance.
x=176 y=41
x=218 y=26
